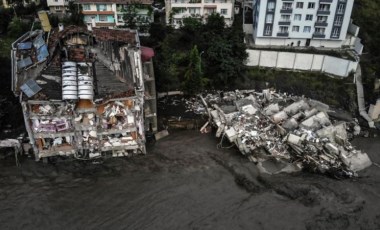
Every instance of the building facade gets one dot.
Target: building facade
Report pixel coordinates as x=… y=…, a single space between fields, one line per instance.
x=101 y=13
x=176 y=10
x=317 y=23
x=58 y=6
x=86 y=92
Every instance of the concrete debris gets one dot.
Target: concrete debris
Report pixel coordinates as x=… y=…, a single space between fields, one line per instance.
x=283 y=133
x=161 y=134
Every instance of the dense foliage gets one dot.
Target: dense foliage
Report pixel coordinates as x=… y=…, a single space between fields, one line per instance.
x=366 y=14
x=221 y=53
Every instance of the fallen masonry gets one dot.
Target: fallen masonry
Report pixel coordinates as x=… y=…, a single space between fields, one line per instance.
x=283 y=133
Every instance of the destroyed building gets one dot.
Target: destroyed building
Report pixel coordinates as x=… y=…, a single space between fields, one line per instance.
x=85 y=92
x=283 y=133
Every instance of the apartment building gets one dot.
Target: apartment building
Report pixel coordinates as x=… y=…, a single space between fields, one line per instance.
x=102 y=13
x=58 y=6
x=318 y=23
x=176 y=10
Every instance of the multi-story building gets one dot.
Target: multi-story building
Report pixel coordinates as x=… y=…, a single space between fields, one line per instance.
x=58 y=6
x=85 y=92
x=176 y=10
x=102 y=13
x=318 y=23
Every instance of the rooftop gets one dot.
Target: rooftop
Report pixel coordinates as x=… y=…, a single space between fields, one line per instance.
x=108 y=53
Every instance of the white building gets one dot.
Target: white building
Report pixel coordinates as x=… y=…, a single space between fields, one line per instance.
x=318 y=23
x=58 y=6
x=102 y=13
x=176 y=10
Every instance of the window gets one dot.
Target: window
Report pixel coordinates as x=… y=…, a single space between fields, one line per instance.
x=335 y=33
x=286 y=5
x=271 y=6
x=102 y=18
x=324 y=7
x=284 y=29
x=320 y=31
x=296 y=29
x=340 y=8
x=86 y=7
x=307 y=29
x=55 y=0
x=180 y=10
x=269 y=18
x=311 y=5
x=268 y=30
x=210 y=11
x=194 y=10
x=120 y=18
x=57 y=8
x=101 y=7
x=338 y=21
x=223 y=11
x=322 y=19
x=285 y=18
x=299 y=5
x=309 y=17
x=297 y=17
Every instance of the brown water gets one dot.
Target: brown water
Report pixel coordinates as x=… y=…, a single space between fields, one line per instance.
x=184 y=182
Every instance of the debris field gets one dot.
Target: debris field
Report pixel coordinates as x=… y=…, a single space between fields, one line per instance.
x=288 y=132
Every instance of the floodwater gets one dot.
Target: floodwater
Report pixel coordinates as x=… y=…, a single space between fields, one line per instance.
x=184 y=182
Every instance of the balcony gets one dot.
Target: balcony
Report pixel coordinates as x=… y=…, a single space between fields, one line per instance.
x=320 y=23
x=283 y=34
x=284 y=23
x=319 y=35
x=286 y=11
x=323 y=12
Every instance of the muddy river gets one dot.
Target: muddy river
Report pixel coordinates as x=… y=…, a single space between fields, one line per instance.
x=184 y=182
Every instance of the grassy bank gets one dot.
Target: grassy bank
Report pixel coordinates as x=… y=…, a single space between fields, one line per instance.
x=335 y=92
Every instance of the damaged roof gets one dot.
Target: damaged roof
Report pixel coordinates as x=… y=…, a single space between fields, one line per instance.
x=112 y=75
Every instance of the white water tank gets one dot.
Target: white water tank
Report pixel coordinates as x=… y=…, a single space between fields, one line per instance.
x=69 y=81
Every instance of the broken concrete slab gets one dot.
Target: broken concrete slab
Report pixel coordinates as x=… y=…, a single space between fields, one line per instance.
x=298 y=132
x=161 y=134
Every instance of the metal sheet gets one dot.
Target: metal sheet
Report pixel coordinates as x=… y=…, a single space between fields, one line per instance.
x=42 y=15
x=30 y=88
x=42 y=53
x=24 y=63
x=24 y=45
x=38 y=41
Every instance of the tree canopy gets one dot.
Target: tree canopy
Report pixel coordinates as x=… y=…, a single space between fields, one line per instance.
x=220 y=50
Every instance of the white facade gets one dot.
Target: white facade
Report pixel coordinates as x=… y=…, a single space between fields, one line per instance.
x=58 y=6
x=176 y=10
x=301 y=62
x=318 y=23
x=109 y=14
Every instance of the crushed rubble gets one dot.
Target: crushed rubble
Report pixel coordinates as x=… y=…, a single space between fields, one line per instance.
x=289 y=133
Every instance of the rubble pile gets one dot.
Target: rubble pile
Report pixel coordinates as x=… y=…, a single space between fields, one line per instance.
x=293 y=132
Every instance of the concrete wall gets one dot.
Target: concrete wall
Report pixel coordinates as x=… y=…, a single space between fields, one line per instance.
x=301 y=61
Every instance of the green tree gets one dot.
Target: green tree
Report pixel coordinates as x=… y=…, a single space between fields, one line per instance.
x=17 y=27
x=5 y=19
x=194 y=82
x=76 y=16
x=137 y=16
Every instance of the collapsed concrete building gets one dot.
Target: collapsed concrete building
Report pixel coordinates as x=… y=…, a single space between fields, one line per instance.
x=85 y=92
x=284 y=133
